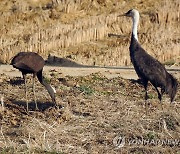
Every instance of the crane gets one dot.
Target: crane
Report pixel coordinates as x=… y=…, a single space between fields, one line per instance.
x=32 y=63
x=147 y=67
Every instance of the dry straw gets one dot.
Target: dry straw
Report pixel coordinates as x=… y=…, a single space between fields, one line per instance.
x=36 y=29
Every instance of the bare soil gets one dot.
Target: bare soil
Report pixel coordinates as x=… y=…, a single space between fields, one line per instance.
x=100 y=105
x=89 y=31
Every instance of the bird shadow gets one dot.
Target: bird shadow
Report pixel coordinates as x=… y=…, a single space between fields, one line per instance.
x=32 y=106
x=133 y=81
x=16 y=81
x=63 y=62
x=68 y=62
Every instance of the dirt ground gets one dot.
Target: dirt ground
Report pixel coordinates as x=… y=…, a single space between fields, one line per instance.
x=103 y=112
x=110 y=72
x=100 y=110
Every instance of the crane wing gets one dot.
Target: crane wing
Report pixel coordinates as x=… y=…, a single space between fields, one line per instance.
x=149 y=67
x=22 y=66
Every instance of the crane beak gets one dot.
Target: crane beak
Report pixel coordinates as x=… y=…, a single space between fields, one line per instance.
x=121 y=15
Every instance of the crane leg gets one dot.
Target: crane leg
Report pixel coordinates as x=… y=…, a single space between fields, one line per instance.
x=25 y=82
x=34 y=91
x=159 y=94
x=162 y=91
x=145 y=83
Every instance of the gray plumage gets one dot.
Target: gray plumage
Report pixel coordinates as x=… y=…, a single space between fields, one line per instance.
x=147 y=67
x=32 y=63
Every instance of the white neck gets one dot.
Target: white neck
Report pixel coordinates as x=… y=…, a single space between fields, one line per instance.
x=135 y=19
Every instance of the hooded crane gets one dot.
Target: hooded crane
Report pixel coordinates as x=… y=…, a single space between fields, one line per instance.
x=147 y=67
x=32 y=63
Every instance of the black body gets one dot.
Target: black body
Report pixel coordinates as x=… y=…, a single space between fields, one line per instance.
x=150 y=69
x=28 y=63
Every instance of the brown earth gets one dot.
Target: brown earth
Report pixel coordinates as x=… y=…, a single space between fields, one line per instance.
x=89 y=31
x=99 y=106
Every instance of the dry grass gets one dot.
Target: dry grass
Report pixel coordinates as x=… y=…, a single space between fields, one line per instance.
x=89 y=31
x=96 y=110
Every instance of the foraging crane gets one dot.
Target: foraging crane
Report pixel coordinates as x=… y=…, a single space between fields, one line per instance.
x=32 y=63
x=147 y=67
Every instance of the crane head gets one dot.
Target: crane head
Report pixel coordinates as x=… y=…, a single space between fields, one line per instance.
x=130 y=13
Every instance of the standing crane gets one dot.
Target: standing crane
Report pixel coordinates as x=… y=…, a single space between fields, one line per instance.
x=147 y=67
x=32 y=63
